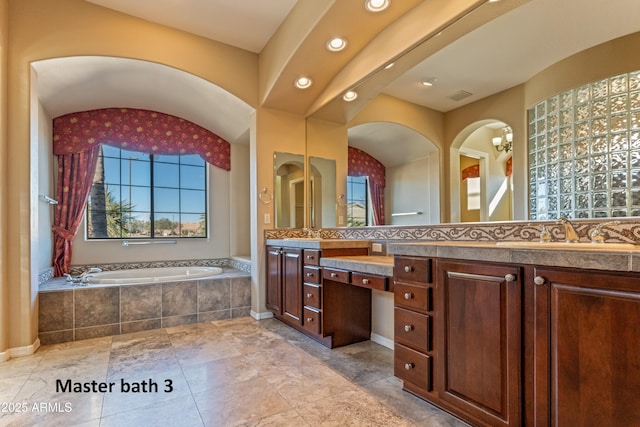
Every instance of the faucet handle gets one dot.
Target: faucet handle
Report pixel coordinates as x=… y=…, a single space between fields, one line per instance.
x=597 y=235
x=545 y=235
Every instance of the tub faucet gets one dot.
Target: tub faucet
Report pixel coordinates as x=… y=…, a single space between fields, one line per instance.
x=570 y=234
x=84 y=277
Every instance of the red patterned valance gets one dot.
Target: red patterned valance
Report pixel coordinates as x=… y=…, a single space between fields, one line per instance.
x=138 y=130
x=510 y=166
x=362 y=164
x=471 y=172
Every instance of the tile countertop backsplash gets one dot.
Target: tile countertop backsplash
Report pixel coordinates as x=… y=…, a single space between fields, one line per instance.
x=628 y=231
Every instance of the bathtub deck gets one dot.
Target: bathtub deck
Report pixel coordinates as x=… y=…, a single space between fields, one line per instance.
x=70 y=313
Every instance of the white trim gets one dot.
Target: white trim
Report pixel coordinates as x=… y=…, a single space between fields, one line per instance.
x=20 y=351
x=383 y=341
x=261 y=316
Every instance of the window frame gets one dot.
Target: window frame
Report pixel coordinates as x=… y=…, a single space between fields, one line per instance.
x=153 y=161
x=367 y=212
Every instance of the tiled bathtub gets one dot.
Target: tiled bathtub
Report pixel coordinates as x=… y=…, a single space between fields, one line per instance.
x=69 y=313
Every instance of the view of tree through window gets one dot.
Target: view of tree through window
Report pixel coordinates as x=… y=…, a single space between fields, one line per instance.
x=357 y=212
x=138 y=195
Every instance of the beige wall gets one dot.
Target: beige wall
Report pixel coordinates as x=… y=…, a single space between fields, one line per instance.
x=41 y=29
x=4 y=184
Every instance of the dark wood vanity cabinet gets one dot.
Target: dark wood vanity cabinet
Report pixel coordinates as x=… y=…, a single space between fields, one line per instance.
x=284 y=278
x=413 y=323
x=331 y=312
x=458 y=336
x=478 y=368
x=583 y=350
x=499 y=344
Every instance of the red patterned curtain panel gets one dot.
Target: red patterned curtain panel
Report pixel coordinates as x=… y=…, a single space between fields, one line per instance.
x=362 y=164
x=138 y=130
x=75 y=176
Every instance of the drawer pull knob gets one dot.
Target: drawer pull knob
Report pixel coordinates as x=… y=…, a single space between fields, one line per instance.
x=539 y=280
x=309 y=296
x=408 y=269
x=309 y=319
x=309 y=256
x=309 y=274
x=408 y=295
x=408 y=328
x=408 y=366
x=334 y=274
x=365 y=281
x=510 y=277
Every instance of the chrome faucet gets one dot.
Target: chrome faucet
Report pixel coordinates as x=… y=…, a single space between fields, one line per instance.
x=597 y=235
x=83 y=278
x=570 y=234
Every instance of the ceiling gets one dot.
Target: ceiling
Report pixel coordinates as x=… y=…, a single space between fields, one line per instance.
x=247 y=24
x=501 y=54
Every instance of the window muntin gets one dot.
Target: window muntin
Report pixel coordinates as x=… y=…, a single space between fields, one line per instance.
x=147 y=196
x=357 y=201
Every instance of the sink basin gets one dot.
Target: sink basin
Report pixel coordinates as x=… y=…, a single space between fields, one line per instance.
x=565 y=245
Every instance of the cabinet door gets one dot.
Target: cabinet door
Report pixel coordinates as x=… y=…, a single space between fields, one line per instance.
x=274 y=280
x=479 y=341
x=292 y=285
x=587 y=350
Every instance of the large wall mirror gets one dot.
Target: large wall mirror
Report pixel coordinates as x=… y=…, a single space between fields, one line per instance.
x=288 y=173
x=322 y=192
x=472 y=96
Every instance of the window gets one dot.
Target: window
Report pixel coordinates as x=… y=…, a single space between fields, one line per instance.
x=138 y=195
x=357 y=201
x=473 y=194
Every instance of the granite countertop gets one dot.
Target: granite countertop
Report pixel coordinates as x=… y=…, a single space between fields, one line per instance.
x=369 y=264
x=310 y=243
x=576 y=255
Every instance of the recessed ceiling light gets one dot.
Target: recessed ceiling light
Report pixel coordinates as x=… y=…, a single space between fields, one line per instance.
x=376 y=5
x=350 y=96
x=429 y=82
x=336 y=44
x=303 y=82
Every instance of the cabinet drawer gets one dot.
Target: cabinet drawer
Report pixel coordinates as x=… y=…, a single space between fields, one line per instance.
x=311 y=320
x=311 y=295
x=311 y=257
x=312 y=275
x=412 y=269
x=341 y=276
x=413 y=296
x=369 y=281
x=413 y=329
x=412 y=366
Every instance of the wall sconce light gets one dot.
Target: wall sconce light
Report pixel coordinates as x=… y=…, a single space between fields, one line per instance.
x=504 y=142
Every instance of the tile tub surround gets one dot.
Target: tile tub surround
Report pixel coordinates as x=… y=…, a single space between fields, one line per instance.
x=70 y=313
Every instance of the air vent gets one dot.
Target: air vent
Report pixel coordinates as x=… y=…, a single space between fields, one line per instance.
x=461 y=94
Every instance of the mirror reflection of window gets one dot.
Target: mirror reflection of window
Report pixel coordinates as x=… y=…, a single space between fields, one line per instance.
x=357 y=201
x=473 y=194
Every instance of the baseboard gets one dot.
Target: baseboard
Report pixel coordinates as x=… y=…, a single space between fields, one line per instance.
x=20 y=351
x=261 y=316
x=383 y=341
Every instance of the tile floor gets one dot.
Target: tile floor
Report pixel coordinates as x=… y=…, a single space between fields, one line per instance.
x=236 y=372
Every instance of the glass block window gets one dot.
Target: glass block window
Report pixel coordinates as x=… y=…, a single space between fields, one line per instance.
x=584 y=151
